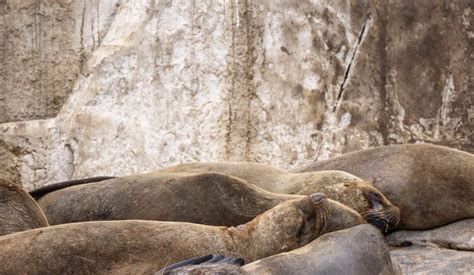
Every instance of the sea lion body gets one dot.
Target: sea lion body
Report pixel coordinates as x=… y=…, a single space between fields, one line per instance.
x=18 y=210
x=357 y=250
x=340 y=186
x=360 y=250
x=212 y=199
x=130 y=247
x=432 y=185
x=267 y=177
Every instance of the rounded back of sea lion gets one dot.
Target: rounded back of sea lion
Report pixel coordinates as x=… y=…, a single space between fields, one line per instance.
x=137 y=246
x=432 y=185
x=262 y=175
x=206 y=198
x=18 y=210
x=360 y=250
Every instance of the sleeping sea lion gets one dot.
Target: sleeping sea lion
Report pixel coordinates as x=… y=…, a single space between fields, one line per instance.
x=132 y=246
x=208 y=198
x=432 y=185
x=18 y=210
x=357 y=250
x=343 y=187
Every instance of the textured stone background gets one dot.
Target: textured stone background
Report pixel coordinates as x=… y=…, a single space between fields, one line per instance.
x=95 y=87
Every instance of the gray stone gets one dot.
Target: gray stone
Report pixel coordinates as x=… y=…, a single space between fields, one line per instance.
x=444 y=250
x=427 y=260
x=457 y=236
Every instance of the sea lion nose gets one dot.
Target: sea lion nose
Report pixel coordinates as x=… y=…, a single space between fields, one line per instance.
x=317 y=198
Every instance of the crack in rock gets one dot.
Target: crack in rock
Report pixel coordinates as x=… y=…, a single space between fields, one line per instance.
x=348 y=69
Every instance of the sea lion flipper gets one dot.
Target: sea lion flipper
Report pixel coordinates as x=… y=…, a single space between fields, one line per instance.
x=203 y=260
x=41 y=191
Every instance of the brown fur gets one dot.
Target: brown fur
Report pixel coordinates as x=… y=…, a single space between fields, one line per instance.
x=18 y=210
x=360 y=250
x=337 y=185
x=209 y=198
x=432 y=185
x=131 y=247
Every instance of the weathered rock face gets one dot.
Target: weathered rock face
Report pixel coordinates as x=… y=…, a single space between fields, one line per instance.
x=43 y=45
x=9 y=168
x=155 y=83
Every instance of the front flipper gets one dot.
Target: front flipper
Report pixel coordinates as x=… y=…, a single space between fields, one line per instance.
x=216 y=262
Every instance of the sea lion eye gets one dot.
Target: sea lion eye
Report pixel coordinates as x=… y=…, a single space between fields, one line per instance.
x=375 y=200
x=374 y=196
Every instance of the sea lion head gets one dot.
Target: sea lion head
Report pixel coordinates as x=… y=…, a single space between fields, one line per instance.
x=382 y=213
x=367 y=200
x=288 y=225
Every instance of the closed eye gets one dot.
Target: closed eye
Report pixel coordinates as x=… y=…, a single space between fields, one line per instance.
x=375 y=200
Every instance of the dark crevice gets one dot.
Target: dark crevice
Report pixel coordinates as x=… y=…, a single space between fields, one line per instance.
x=348 y=69
x=82 y=56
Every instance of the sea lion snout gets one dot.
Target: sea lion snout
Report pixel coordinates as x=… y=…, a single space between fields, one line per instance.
x=382 y=214
x=317 y=198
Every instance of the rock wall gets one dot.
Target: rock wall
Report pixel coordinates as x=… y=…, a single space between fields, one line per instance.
x=43 y=45
x=147 y=84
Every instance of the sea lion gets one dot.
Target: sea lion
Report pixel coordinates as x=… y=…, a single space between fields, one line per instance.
x=18 y=210
x=357 y=250
x=432 y=185
x=136 y=246
x=343 y=187
x=207 y=198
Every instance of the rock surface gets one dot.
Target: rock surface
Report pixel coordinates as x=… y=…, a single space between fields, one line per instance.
x=43 y=46
x=426 y=260
x=444 y=250
x=147 y=84
x=457 y=236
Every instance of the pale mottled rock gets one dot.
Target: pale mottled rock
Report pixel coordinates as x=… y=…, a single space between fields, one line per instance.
x=43 y=45
x=9 y=168
x=278 y=82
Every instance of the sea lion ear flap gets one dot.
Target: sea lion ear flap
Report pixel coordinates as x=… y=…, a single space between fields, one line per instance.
x=317 y=198
x=321 y=203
